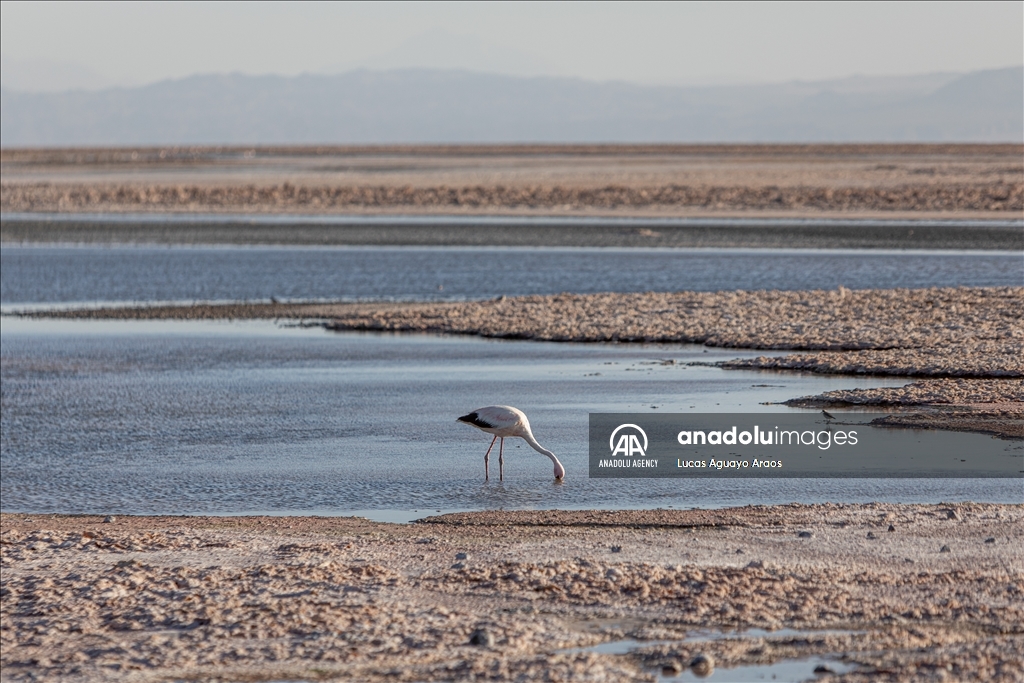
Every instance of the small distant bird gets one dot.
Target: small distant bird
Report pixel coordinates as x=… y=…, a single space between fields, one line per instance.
x=505 y=422
x=828 y=415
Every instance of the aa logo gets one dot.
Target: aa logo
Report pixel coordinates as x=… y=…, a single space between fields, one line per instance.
x=628 y=443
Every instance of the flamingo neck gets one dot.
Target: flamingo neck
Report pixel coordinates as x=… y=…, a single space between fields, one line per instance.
x=528 y=437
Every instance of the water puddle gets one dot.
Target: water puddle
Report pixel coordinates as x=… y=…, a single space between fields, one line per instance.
x=785 y=671
x=795 y=670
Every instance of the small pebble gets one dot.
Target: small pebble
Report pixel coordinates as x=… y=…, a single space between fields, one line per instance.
x=805 y=534
x=108 y=519
x=990 y=539
x=616 y=548
x=671 y=669
x=458 y=565
x=871 y=534
x=739 y=551
x=481 y=637
x=892 y=528
x=944 y=549
x=702 y=665
x=822 y=669
x=461 y=556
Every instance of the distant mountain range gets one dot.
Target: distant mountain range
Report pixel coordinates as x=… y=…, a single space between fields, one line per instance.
x=436 y=106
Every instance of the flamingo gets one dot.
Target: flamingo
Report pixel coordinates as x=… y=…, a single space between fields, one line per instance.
x=504 y=422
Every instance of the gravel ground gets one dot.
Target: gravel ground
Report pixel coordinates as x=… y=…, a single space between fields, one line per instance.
x=906 y=592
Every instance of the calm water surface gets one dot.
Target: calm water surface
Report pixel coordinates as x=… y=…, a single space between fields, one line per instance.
x=70 y=274
x=226 y=418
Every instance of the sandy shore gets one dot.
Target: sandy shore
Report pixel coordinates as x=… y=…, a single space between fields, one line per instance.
x=899 y=592
x=967 y=181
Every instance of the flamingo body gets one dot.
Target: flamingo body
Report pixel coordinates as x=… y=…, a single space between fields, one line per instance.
x=505 y=422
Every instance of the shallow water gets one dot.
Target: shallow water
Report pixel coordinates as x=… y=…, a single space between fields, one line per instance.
x=70 y=274
x=228 y=418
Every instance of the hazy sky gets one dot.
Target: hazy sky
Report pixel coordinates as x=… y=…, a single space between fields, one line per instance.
x=97 y=44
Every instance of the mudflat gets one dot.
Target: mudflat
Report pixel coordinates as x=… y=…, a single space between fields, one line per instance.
x=886 y=592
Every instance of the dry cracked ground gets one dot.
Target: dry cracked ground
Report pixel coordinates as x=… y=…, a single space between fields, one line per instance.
x=875 y=592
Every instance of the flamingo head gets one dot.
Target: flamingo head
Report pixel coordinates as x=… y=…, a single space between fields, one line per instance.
x=559 y=471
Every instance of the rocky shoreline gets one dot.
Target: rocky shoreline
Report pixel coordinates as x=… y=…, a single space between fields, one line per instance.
x=883 y=592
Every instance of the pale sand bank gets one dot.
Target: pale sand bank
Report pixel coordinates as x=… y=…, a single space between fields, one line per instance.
x=920 y=592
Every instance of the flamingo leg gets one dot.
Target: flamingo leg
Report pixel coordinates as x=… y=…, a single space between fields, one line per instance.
x=487 y=459
x=501 y=460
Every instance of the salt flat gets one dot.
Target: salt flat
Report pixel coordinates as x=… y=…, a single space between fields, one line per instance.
x=897 y=592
